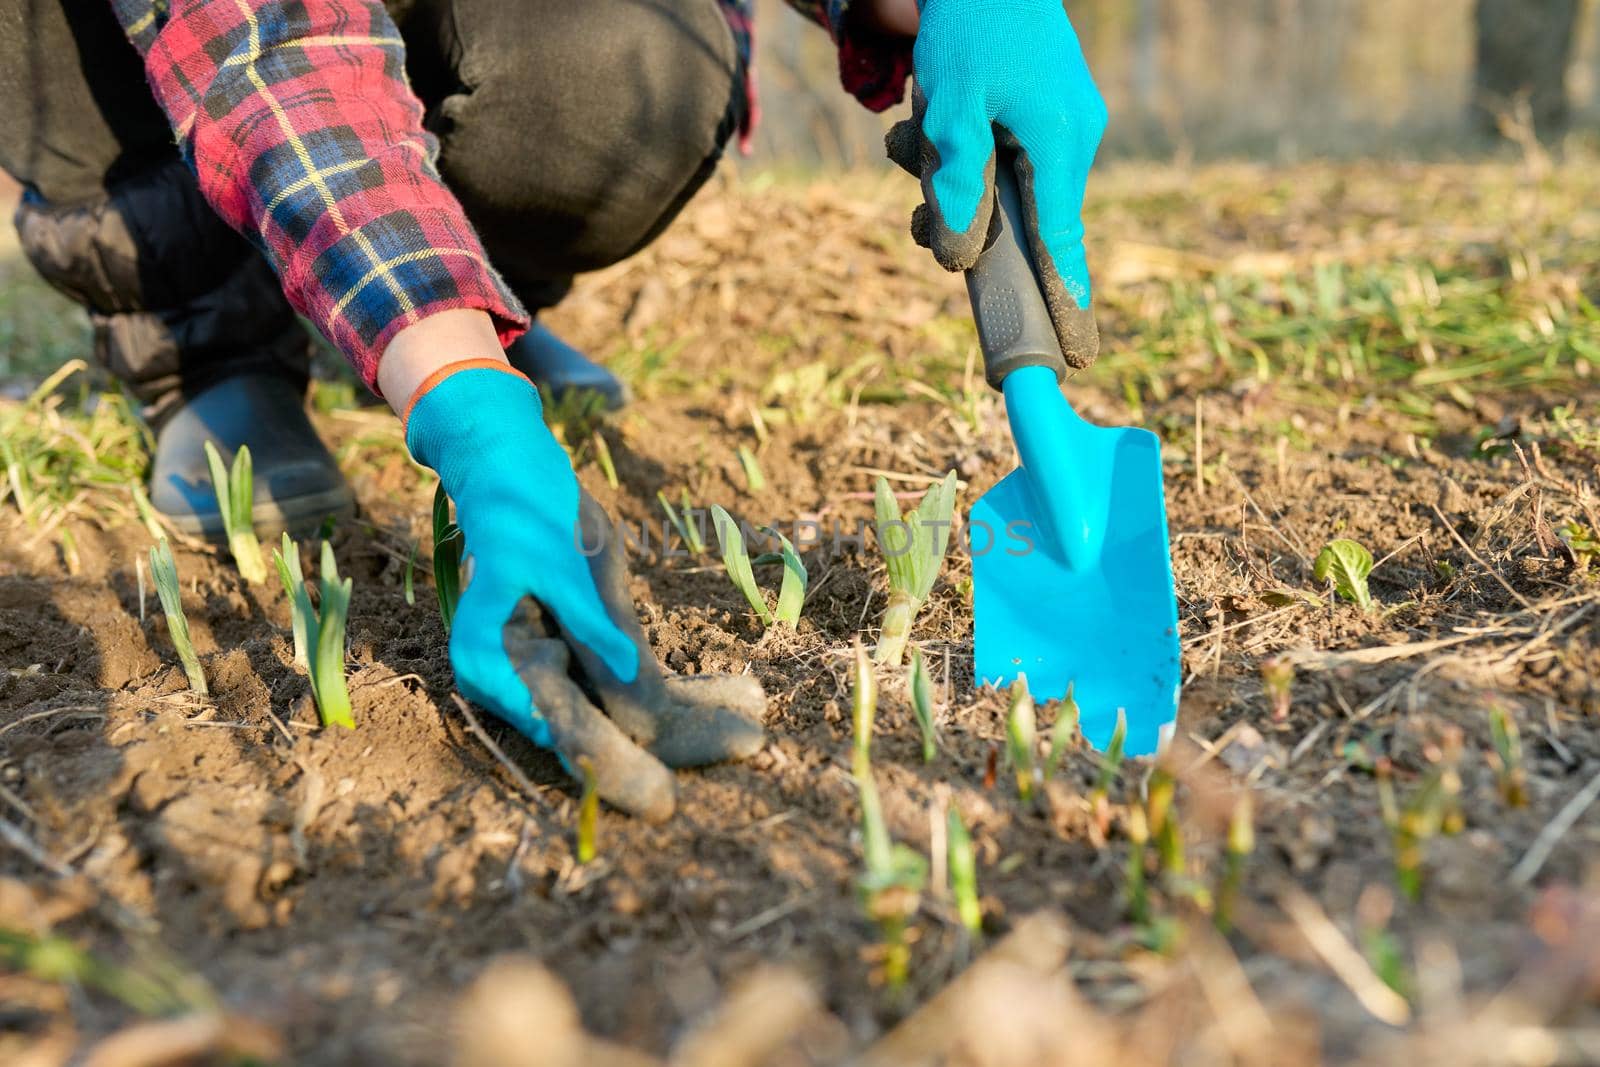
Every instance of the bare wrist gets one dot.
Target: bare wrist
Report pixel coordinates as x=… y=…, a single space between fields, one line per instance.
x=437 y=341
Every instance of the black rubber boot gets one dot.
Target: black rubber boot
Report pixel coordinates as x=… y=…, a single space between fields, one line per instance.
x=552 y=364
x=297 y=482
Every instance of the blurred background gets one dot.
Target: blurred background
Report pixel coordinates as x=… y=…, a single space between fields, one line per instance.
x=1269 y=79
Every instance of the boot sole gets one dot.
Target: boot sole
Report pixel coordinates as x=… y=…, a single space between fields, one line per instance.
x=296 y=516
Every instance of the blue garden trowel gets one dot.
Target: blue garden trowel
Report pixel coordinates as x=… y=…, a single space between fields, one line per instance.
x=1071 y=572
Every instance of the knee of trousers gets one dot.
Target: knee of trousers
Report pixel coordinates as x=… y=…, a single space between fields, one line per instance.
x=175 y=296
x=574 y=143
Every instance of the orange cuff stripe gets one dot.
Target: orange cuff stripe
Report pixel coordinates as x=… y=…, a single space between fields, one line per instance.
x=482 y=363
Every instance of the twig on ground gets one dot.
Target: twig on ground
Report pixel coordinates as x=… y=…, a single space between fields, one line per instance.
x=1343 y=960
x=1531 y=863
x=1468 y=549
x=522 y=780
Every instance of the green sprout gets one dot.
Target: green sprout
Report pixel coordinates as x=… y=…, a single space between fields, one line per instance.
x=1277 y=678
x=1582 y=543
x=863 y=709
x=683 y=522
x=1063 y=735
x=235 y=498
x=736 y=561
x=1346 y=564
x=588 y=810
x=754 y=479
x=963 y=866
x=164 y=569
x=922 y=704
x=1110 y=766
x=913 y=547
x=52 y=958
x=1506 y=759
x=1138 y=889
x=602 y=456
x=324 y=635
x=448 y=542
x=1022 y=737
x=287 y=559
x=1240 y=844
x=891 y=885
x=1431 y=810
x=1161 y=793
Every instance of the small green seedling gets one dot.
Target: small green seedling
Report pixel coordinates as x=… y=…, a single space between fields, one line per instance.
x=325 y=627
x=164 y=569
x=287 y=560
x=447 y=546
x=736 y=561
x=863 y=709
x=1277 y=678
x=1506 y=759
x=891 y=885
x=1240 y=844
x=410 y=576
x=913 y=545
x=1346 y=564
x=1582 y=543
x=602 y=456
x=683 y=522
x=754 y=479
x=1138 y=888
x=1110 y=766
x=235 y=498
x=588 y=810
x=1063 y=735
x=921 y=686
x=1431 y=810
x=963 y=866
x=1022 y=738
x=1161 y=796
x=52 y=958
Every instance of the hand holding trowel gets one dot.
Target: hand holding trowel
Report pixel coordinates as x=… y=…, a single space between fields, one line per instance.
x=1071 y=572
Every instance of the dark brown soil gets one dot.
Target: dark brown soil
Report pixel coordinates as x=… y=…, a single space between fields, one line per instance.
x=346 y=887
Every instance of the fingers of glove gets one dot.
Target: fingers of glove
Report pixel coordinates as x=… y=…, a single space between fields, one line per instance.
x=1052 y=191
x=626 y=777
x=710 y=718
x=904 y=144
x=922 y=225
x=566 y=588
x=484 y=672
x=959 y=186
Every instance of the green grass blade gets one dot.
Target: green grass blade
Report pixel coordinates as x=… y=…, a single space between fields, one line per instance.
x=588 y=811
x=327 y=672
x=696 y=539
x=1022 y=736
x=447 y=545
x=220 y=485
x=287 y=560
x=1063 y=735
x=602 y=455
x=922 y=704
x=754 y=478
x=792 y=593
x=894 y=538
x=164 y=569
x=930 y=531
x=736 y=561
x=963 y=867
x=863 y=709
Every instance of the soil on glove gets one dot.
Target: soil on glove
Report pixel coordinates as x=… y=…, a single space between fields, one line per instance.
x=345 y=887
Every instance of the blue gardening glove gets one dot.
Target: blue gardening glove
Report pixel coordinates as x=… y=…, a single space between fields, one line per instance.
x=573 y=638
x=1006 y=74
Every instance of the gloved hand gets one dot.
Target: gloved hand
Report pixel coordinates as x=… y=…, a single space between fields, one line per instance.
x=1007 y=74
x=480 y=425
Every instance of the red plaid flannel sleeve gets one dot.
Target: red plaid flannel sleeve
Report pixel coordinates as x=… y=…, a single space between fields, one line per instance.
x=873 y=66
x=298 y=121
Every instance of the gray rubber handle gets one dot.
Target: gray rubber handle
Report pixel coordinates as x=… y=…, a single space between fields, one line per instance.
x=1014 y=326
